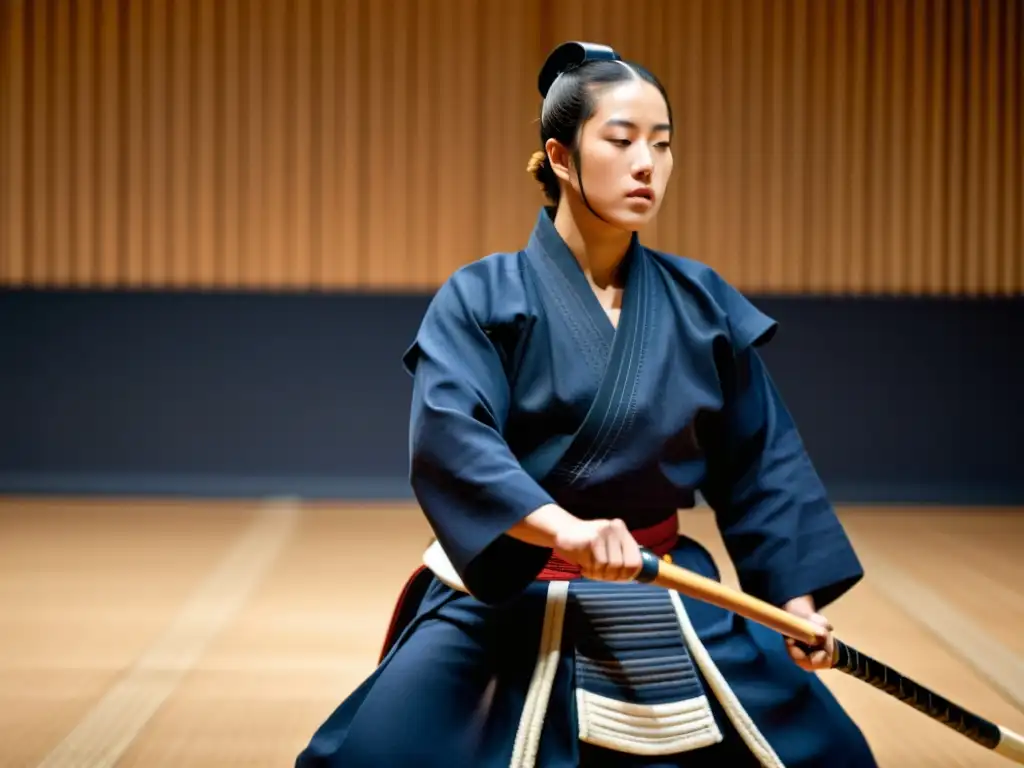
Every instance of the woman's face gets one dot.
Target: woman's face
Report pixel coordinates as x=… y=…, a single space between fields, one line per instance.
x=625 y=154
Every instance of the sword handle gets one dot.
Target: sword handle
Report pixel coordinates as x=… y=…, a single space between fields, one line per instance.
x=884 y=678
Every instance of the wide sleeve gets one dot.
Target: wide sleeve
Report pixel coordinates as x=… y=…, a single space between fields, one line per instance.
x=772 y=509
x=470 y=486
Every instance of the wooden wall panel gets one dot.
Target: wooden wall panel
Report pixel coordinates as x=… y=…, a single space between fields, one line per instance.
x=833 y=146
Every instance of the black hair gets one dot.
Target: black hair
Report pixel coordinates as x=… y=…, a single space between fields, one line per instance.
x=569 y=103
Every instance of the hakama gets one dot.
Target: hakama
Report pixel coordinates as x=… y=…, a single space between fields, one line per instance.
x=525 y=394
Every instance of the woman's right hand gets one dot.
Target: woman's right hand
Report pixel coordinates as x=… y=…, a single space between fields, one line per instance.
x=603 y=549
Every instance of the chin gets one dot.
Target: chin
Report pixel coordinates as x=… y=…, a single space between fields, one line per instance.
x=632 y=221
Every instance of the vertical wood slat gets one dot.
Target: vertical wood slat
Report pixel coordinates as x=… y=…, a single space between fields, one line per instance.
x=729 y=190
x=398 y=253
x=178 y=139
x=917 y=141
x=860 y=36
x=326 y=95
x=83 y=167
x=377 y=150
x=751 y=58
x=350 y=246
x=58 y=140
x=108 y=141
x=36 y=158
x=205 y=89
x=894 y=272
x=156 y=258
x=835 y=252
x=841 y=147
x=6 y=33
x=956 y=63
x=775 y=252
x=1012 y=156
x=971 y=253
x=301 y=145
x=228 y=29
x=422 y=259
x=992 y=227
x=878 y=128
x=713 y=178
x=136 y=220
x=937 y=176
x=12 y=228
x=818 y=146
x=276 y=118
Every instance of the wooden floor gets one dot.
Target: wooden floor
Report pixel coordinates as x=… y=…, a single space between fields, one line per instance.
x=152 y=633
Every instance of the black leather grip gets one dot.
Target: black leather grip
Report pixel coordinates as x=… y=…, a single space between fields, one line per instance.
x=863 y=667
x=648 y=566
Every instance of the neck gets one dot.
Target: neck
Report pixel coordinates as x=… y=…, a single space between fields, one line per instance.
x=598 y=247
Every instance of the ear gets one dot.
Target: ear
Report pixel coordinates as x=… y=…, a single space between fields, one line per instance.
x=559 y=158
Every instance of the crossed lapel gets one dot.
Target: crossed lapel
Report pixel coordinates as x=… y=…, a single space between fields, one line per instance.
x=612 y=354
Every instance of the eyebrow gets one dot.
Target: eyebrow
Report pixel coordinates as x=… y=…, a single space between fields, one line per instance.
x=630 y=124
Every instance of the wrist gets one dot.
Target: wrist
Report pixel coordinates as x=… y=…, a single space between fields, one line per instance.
x=544 y=526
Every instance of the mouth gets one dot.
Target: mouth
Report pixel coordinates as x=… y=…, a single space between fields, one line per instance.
x=642 y=193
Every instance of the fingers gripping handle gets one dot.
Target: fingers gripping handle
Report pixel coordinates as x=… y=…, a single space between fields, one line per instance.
x=653 y=570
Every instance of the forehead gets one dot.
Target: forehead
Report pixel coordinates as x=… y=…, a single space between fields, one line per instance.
x=636 y=101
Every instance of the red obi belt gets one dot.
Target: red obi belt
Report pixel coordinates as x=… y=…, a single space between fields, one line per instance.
x=659 y=538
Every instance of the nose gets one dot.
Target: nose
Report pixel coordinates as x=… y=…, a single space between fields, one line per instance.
x=643 y=162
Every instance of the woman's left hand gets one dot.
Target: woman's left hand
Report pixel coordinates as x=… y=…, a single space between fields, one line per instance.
x=820 y=658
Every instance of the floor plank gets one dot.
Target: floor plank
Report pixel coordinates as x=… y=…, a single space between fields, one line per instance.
x=87 y=586
x=84 y=589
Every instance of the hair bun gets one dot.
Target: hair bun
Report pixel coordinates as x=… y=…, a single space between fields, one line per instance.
x=537 y=161
x=569 y=56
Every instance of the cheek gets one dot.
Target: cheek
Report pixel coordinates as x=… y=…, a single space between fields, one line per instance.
x=664 y=168
x=601 y=169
